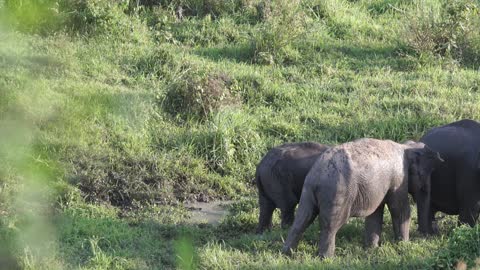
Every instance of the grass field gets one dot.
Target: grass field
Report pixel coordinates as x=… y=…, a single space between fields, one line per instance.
x=115 y=113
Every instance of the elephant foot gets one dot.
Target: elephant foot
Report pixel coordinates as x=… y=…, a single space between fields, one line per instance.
x=262 y=229
x=324 y=255
x=432 y=231
x=287 y=251
x=373 y=244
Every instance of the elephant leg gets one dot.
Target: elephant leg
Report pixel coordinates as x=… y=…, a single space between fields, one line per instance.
x=468 y=214
x=288 y=215
x=466 y=217
x=287 y=208
x=332 y=218
x=266 y=211
x=306 y=213
x=400 y=212
x=329 y=227
x=373 y=227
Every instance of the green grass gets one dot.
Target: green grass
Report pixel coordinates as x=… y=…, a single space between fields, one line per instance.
x=100 y=147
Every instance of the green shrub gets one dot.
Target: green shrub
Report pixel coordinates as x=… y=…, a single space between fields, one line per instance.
x=283 y=24
x=462 y=245
x=199 y=93
x=103 y=17
x=230 y=144
x=447 y=30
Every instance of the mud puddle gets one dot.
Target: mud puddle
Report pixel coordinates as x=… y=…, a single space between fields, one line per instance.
x=208 y=212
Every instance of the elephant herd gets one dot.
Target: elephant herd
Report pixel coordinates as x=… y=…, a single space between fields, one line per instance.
x=358 y=178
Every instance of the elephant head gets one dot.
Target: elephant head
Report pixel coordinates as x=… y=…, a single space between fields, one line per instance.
x=422 y=162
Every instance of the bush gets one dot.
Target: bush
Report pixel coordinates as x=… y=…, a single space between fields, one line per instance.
x=103 y=17
x=197 y=94
x=463 y=245
x=230 y=143
x=283 y=25
x=447 y=30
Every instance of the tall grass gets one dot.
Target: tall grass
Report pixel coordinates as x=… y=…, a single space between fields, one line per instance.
x=113 y=114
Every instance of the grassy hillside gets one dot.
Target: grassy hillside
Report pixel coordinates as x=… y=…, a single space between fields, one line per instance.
x=115 y=113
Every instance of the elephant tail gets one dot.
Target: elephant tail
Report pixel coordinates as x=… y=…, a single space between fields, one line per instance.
x=257 y=181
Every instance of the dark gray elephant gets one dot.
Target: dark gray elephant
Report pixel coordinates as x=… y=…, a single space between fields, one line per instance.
x=456 y=183
x=357 y=179
x=280 y=176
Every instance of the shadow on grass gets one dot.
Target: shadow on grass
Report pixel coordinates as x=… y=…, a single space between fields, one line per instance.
x=354 y=57
x=364 y=58
x=241 y=53
x=34 y=64
x=399 y=128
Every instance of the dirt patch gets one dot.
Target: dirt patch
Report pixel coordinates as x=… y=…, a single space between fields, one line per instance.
x=208 y=212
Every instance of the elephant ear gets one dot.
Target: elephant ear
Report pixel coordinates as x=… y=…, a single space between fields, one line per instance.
x=423 y=161
x=478 y=161
x=425 y=155
x=433 y=156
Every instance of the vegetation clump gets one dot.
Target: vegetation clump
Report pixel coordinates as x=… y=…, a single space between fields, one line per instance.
x=447 y=30
x=199 y=94
x=282 y=25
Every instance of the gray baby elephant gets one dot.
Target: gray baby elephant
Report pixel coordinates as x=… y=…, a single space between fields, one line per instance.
x=357 y=179
x=280 y=177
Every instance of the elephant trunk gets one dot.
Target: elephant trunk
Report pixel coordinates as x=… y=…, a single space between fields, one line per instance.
x=423 y=212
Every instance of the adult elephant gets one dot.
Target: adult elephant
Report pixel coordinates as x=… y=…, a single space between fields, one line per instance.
x=456 y=183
